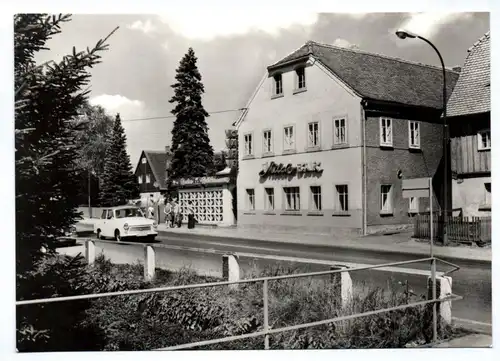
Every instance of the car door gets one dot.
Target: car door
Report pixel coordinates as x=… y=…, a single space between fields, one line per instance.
x=99 y=223
x=108 y=224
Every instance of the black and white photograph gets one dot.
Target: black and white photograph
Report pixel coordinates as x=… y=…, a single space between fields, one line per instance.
x=254 y=178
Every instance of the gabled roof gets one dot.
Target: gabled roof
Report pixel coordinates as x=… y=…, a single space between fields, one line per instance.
x=157 y=161
x=472 y=92
x=379 y=77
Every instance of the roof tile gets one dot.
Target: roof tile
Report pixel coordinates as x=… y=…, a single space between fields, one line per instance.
x=472 y=91
x=380 y=77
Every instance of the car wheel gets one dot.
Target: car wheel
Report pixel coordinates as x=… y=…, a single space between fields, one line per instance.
x=99 y=234
x=118 y=237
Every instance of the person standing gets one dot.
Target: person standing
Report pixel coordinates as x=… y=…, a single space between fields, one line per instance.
x=190 y=214
x=168 y=213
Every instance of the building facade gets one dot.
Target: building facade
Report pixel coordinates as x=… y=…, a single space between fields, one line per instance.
x=328 y=135
x=151 y=173
x=470 y=132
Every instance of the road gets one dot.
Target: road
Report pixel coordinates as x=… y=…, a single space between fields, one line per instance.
x=472 y=280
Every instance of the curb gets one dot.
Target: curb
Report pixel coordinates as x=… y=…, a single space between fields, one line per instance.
x=340 y=247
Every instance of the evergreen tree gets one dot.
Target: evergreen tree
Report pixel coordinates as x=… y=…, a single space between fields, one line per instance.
x=193 y=156
x=119 y=184
x=47 y=100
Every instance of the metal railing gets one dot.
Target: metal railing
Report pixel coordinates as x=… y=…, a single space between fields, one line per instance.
x=266 y=332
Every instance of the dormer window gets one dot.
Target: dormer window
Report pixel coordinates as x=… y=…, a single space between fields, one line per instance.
x=300 y=78
x=278 y=85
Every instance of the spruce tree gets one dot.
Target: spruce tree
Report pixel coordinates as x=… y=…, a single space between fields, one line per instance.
x=47 y=100
x=192 y=154
x=119 y=185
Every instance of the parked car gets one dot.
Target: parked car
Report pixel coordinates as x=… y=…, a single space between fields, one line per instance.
x=125 y=222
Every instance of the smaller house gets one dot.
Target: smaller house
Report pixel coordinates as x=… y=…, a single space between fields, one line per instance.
x=468 y=115
x=151 y=172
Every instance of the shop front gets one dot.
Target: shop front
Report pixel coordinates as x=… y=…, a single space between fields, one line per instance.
x=314 y=192
x=210 y=198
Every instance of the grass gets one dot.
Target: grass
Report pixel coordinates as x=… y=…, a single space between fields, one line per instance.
x=162 y=319
x=165 y=319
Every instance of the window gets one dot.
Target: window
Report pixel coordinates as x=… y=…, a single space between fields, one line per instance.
x=139 y=179
x=289 y=138
x=110 y=214
x=148 y=178
x=386 y=199
x=339 y=133
x=278 y=84
x=248 y=144
x=484 y=140
x=301 y=78
x=386 y=132
x=316 y=198
x=103 y=214
x=313 y=139
x=143 y=160
x=292 y=198
x=413 y=205
x=414 y=135
x=268 y=141
x=251 y=199
x=342 y=198
x=269 y=202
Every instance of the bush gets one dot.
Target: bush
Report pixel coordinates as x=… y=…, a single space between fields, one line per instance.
x=156 y=320
x=55 y=326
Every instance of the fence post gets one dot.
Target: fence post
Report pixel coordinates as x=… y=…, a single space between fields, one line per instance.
x=90 y=252
x=342 y=283
x=230 y=269
x=443 y=289
x=149 y=262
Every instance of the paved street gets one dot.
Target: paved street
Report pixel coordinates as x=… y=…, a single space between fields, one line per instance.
x=472 y=281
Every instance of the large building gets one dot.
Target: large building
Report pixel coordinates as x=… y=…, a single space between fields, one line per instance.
x=470 y=131
x=330 y=133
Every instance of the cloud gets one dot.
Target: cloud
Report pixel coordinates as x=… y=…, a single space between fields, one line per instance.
x=345 y=44
x=234 y=22
x=128 y=108
x=147 y=27
x=429 y=24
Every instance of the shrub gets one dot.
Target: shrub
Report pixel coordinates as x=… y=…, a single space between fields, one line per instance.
x=54 y=326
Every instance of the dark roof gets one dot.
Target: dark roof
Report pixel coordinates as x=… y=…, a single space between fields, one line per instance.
x=158 y=162
x=472 y=92
x=379 y=77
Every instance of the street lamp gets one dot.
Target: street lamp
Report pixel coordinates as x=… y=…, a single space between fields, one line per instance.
x=403 y=34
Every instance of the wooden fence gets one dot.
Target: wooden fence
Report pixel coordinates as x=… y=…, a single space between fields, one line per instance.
x=460 y=229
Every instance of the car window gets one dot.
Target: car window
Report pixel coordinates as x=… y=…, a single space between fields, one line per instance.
x=110 y=214
x=103 y=215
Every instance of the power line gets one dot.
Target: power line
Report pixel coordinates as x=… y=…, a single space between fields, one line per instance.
x=173 y=116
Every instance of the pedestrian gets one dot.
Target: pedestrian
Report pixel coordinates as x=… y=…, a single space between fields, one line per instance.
x=176 y=221
x=151 y=212
x=168 y=213
x=190 y=214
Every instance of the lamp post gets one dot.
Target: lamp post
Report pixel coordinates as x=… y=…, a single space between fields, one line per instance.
x=403 y=34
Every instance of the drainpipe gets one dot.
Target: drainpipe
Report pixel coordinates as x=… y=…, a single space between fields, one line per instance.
x=363 y=164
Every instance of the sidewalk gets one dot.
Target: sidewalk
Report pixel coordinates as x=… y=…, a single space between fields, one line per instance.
x=469 y=341
x=396 y=243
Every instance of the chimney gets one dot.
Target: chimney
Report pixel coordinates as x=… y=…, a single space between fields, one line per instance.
x=458 y=69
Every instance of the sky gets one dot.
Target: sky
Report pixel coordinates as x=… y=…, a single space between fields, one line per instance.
x=234 y=47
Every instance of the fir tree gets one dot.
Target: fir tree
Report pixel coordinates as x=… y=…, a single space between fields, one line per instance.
x=193 y=156
x=119 y=185
x=47 y=100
